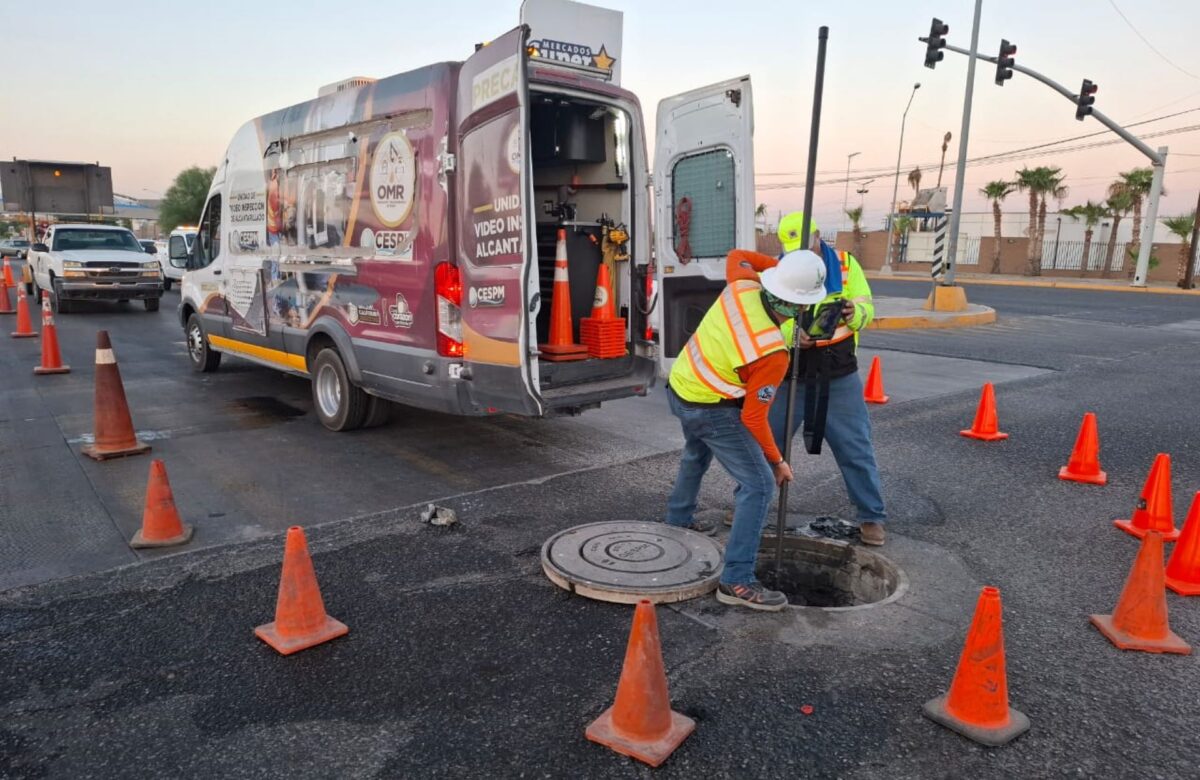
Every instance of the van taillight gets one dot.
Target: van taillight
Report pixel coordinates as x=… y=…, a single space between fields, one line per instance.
x=447 y=284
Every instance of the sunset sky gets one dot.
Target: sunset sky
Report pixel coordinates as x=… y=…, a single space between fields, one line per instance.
x=149 y=91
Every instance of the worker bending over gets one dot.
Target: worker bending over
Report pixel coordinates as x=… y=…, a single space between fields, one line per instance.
x=834 y=361
x=721 y=388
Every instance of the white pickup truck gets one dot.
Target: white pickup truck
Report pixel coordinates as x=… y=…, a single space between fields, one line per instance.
x=96 y=262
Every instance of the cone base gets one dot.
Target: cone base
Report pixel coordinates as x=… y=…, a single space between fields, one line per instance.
x=1099 y=478
x=562 y=352
x=139 y=541
x=1128 y=527
x=883 y=399
x=1171 y=643
x=59 y=370
x=1018 y=724
x=970 y=434
x=653 y=752
x=331 y=629
x=97 y=454
x=1182 y=587
x=17 y=335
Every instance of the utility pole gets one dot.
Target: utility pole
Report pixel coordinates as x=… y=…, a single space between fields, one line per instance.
x=1147 y=246
x=846 y=194
x=887 y=257
x=1189 y=274
x=961 y=172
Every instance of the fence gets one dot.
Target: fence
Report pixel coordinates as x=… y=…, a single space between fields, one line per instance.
x=968 y=250
x=1068 y=255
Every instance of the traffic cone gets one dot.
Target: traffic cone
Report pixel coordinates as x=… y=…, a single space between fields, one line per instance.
x=1183 y=568
x=603 y=333
x=114 y=436
x=562 y=347
x=985 y=427
x=1154 y=510
x=5 y=301
x=641 y=723
x=161 y=526
x=1139 y=621
x=24 y=325
x=300 y=618
x=8 y=274
x=51 y=359
x=874 y=392
x=976 y=705
x=1084 y=465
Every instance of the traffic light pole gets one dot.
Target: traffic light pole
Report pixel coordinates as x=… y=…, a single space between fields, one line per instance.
x=1158 y=159
x=961 y=170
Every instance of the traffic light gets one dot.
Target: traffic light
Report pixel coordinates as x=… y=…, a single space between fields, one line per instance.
x=1004 y=62
x=1087 y=96
x=935 y=42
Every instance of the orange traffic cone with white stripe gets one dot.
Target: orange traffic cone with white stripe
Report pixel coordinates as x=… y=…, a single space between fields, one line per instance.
x=1154 y=510
x=24 y=325
x=603 y=333
x=8 y=274
x=300 y=618
x=1139 y=621
x=5 y=300
x=51 y=359
x=161 y=524
x=976 y=705
x=113 y=434
x=641 y=723
x=874 y=391
x=562 y=347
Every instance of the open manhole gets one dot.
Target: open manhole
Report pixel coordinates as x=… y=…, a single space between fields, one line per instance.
x=830 y=574
x=626 y=562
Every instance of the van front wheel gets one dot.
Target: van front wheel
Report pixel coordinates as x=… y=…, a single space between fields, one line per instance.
x=340 y=404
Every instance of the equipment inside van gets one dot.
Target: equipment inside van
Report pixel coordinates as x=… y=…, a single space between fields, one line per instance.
x=475 y=237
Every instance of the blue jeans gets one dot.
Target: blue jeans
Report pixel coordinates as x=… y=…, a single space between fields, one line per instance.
x=718 y=431
x=848 y=432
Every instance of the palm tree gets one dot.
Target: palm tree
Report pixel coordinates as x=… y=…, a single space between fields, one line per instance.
x=1038 y=182
x=1137 y=183
x=997 y=191
x=1054 y=187
x=760 y=217
x=855 y=215
x=914 y=179
x=1182 y=226
x=901 y=225
x=1091 y=214
x=1119 y=204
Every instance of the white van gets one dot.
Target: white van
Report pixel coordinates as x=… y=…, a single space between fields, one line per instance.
x=395 y=239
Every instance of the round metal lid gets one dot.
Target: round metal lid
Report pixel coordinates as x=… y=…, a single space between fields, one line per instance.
x=625 y=562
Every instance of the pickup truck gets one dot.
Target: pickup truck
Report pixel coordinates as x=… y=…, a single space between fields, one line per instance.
x=96 y=262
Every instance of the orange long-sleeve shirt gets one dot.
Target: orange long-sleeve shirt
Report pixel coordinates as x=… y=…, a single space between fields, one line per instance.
x=763 y=376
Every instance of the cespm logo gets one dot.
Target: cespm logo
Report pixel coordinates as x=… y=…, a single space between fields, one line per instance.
x=573 y=53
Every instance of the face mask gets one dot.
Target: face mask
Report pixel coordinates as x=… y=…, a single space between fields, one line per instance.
x=783 y=308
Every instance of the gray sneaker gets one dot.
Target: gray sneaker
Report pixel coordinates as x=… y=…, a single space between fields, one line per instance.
x=751 y=596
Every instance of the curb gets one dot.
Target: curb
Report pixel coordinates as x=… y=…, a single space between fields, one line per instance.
x=1065 y=285
x=934 y=320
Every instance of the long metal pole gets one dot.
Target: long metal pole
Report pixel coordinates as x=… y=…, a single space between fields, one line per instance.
x=846 y=194
x=814 y=135
x=1189 y=273
x=887 y=257
x=961 y=172
x=1147 y=245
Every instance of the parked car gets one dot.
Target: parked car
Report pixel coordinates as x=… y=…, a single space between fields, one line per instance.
x=103 y=262
x=14 y=247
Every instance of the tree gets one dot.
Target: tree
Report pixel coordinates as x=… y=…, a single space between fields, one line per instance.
x=855 y=215
x=1118 y=205
x=914 y=179
x=901 y=225
x=1053 y=187
x=996 y=192
x=184 y=199
x=1091 y=214
x=1137 y=183
x=1182 y=226
x=1038 y=182
x=760 y=217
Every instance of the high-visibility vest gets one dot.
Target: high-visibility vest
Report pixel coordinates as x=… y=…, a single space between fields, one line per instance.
x=854 y=289
x=736 y=331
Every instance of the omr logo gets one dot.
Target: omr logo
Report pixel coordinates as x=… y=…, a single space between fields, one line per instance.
x=393 y=178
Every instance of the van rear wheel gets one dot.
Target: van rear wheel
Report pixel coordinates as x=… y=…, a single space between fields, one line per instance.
x=204 y=359
x=340 y=404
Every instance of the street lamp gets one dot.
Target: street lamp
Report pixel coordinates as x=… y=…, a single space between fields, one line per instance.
x=887 y=258
x=846 y=195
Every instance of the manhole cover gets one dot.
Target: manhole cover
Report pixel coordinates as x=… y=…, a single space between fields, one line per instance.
x=625 y=562
x=830 y=574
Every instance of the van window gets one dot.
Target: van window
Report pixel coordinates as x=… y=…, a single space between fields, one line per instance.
x=209 y=245
x=706 y=179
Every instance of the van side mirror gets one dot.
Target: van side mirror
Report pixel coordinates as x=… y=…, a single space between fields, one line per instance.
x=39 y=248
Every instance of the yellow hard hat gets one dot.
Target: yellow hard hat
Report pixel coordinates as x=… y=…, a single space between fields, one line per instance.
x=790 y=228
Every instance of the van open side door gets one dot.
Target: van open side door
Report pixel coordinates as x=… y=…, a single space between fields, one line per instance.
x=493 y=198
x=703 y=202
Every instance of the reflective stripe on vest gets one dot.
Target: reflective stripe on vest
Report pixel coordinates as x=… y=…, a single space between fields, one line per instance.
x=736 y=331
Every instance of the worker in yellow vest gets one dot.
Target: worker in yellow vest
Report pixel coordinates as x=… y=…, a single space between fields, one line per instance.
x=832 y=363
x=721 y=388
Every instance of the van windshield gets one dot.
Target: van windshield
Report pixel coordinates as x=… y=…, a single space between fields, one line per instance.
x=113 y=240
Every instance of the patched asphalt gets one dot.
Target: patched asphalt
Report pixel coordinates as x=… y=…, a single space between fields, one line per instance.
x=464 y=661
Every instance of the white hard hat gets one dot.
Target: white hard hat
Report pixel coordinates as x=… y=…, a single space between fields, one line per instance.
x=798 y=278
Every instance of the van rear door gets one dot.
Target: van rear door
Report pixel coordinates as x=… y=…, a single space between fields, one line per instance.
x=492 y=193
x=703 y=201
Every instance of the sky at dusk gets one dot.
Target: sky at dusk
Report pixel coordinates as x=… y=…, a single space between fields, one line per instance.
x=149 y=88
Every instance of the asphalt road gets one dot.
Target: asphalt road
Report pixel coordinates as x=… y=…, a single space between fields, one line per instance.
x=464 y=661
